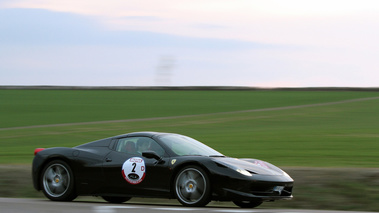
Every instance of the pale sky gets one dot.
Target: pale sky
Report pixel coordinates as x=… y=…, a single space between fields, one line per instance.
x=258 y=43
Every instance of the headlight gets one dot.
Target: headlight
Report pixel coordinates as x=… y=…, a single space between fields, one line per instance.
x=244 y=172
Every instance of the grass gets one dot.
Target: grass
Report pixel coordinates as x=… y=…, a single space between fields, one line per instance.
x=329 y=141
x=38 y=107
x=321 y=136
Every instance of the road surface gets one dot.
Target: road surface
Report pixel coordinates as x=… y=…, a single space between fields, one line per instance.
x=20 y=205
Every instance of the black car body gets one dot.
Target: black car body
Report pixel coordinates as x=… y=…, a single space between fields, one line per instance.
x=170 y=166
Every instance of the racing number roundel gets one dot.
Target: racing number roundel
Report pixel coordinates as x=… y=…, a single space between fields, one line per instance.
x=133 y=170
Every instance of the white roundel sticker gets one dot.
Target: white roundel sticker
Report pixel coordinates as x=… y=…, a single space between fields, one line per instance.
x=133 y=170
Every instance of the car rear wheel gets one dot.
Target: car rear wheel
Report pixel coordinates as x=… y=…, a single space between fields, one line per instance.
x=248 y=204
x=57 y=181
x=192 y=186
x=115 y=199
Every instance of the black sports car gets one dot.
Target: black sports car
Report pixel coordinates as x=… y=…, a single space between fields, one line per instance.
x=152 y=164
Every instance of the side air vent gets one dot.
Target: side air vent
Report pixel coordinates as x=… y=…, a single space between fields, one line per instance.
x=221 y=165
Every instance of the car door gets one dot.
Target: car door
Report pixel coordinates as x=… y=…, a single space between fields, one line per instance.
x=128 y=172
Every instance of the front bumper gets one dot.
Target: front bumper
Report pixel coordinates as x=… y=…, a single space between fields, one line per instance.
x=258 y=187
x=264 y=196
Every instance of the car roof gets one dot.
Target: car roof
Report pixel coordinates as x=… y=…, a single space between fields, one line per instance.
x=146 y=134
x=106 y=141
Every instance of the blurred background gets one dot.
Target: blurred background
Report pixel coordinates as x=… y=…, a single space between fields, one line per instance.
x=208 y=69
x=270 y=43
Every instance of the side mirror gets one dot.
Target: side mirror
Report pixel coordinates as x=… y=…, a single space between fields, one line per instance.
x=152 y=154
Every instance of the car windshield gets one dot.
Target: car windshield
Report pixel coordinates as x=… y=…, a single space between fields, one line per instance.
x=183 y=145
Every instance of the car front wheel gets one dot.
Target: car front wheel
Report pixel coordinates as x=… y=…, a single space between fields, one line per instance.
x=192 y=186
x=57 y=181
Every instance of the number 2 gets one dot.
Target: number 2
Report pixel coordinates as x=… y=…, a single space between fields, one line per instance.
x=134 y=167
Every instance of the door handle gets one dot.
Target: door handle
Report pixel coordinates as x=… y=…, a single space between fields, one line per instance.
x=108 y=160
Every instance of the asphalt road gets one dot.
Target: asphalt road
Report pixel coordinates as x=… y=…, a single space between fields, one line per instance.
x=18 y=205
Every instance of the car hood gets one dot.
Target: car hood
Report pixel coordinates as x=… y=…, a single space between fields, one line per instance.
x=251 y=165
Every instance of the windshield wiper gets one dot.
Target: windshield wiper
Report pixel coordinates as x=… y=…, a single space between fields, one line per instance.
x=217 y=156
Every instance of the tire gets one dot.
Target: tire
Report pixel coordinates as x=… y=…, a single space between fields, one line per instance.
x=116 y=199
x=248 y=204
x=57 y=181
x=192 y=187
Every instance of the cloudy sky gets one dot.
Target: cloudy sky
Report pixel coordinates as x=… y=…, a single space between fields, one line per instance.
x=264 y=43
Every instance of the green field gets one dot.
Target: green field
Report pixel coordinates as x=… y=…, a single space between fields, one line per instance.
x=342 y=134
x=309 y=133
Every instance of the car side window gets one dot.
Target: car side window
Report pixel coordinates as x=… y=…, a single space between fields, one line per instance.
x=127 y=146
x=137 y=145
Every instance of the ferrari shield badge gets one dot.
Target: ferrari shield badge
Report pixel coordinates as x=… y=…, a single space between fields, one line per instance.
x=173 y=161
x=133 y=170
